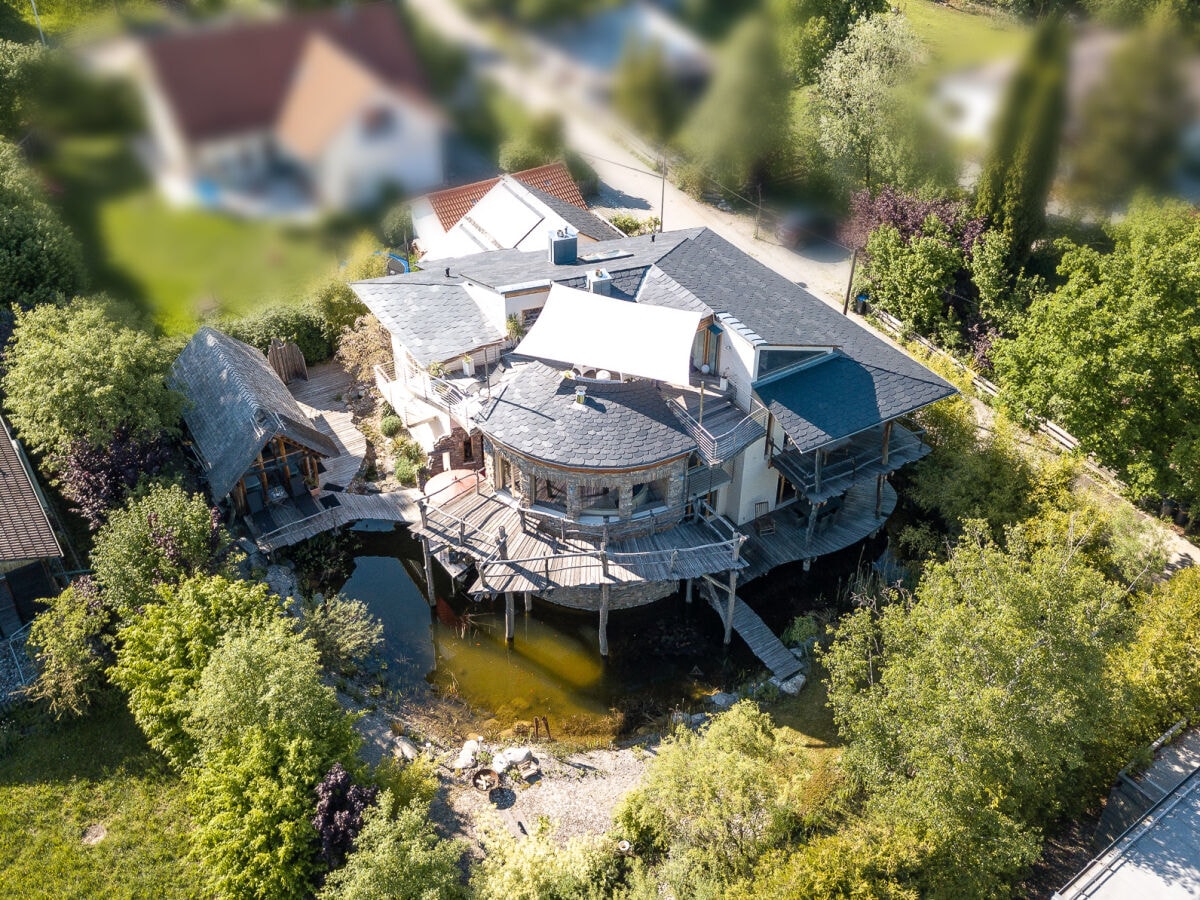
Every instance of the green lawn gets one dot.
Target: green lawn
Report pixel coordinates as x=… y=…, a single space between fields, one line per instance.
x=173 y=261
x=96 y=771
x=958 y=39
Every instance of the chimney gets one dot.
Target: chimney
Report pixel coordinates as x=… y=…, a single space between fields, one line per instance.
x=447 y=271
x=580 y=393
x=599 y=281
x=564 y=247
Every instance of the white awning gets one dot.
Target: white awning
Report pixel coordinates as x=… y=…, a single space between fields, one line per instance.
x=598 y=332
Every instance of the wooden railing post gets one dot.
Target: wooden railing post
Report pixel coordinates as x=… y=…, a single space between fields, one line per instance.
x=424 y=517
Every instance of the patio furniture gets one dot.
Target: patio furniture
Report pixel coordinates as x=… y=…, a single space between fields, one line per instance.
x=254 y=501
x=763 y=523
x=277 y=493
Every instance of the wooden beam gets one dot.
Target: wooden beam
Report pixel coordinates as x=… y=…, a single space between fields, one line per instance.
x=732 y=604
x=429 y=593
x=887 y=433
x=510 y=617
x=687 y=591
x=604 y=620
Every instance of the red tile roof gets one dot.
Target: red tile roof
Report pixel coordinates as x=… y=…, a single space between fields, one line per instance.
x=452 y=204
x=25 y=532
x=225 y=79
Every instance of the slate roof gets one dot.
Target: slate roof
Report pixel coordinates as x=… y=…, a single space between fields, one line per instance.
x=236 y=404
x=581 y=219
x=621 y=425
x=228 y=78
x=434 y=317
x=25 y=531
x=843 y=396
x=554 y=179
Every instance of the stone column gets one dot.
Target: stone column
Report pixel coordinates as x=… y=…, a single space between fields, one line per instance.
x=574 y=503
x=525 y=486
x=675 y=490
x=625 y=501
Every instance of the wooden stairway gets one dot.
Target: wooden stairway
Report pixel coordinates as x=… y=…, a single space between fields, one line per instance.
x=758 y=637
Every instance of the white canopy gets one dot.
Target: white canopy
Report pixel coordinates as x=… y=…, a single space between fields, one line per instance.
x=595 y=331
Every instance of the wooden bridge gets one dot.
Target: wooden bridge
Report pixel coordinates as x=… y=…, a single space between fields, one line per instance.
x=395 y=506
x=758 y=637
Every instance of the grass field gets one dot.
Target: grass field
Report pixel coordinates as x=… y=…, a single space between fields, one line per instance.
x=173 y=261
x=958 y=39
x=97 y=771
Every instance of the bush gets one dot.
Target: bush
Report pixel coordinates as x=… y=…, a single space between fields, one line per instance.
x=343 y=631
x=340 y=807
x=301 y=324
x=406 y=471
x=71 y=642
x=390 y=426
x=396 y=227
x=410 y=783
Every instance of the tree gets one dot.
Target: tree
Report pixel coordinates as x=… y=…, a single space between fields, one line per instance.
x=912 y=280
x=20 y=65
x=268 y=730
x=858 y=95
x=163 y=652
x=1015 y=184
x=537 y=868
x=644 y=91
x=1111 y=354
x=909 y=213
x=712 y=803
x=810 y=29
x=740 y=132
x=343 y=630
x=332 y=297
x=397 y=854
x=163 y=537
x=1133 y=119
x=40 y=259
x=81 y=372
x=98 y=479
x=71 y=643
x=363 y=346
x=532 y=141
x=341 y=805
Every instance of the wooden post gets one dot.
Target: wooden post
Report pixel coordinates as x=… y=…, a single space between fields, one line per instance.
x=818 y=465
x=510 y=617
x=528 y=602
x=604 y=620
x=262 y=475
x=812 y=523
x=428 y=572
x=850 y=282
x=732 y=604
x=887 y=433
x=421 y=509
x=878 y=494
x=687 y=591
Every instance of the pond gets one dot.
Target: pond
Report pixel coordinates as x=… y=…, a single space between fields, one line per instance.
x=662 y=655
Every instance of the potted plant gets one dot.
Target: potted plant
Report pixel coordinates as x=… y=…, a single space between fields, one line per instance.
x=437 y=369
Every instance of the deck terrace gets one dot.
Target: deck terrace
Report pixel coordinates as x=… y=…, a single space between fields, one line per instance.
x=855 y=521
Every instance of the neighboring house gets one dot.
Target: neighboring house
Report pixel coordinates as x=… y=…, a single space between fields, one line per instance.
x=254 y=443
x=508 y=212
x=669 y=391
x=586 y=53
x=327 y=107
x=1149 y=834
x=30 y=556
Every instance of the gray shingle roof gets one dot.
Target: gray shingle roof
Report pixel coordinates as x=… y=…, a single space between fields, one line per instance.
x=236 y=403
x=843 y=396
x=25 y=532
x=581 y=220
x=621 y=425
x=433 y=316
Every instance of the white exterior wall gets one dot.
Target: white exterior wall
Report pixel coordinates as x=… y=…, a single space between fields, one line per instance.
x=737 y=364
x=515 y=305
x=169 y=143
x=753 y=480
x=236 y=159
x=355 y=167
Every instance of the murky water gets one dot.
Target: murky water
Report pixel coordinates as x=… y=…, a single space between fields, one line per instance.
x=659 y=656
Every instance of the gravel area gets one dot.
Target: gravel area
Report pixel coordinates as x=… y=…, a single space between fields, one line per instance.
x=12 y=677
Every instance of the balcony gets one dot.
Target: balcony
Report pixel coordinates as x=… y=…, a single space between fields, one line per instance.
x=861 y=458
x=720 y=427
x=415 y=401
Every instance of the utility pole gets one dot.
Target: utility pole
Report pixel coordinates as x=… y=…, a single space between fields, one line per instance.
x=38 y=19
x=758 y=212
x=662 y=197
x=850 y=283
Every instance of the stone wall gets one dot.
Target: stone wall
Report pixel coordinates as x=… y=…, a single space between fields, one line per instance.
x=454 y=443
x=620 y=596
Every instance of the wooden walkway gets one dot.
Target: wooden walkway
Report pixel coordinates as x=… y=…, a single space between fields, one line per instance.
x=854 y=521
x=758 y=637
x=395 y=506
x=320 y=397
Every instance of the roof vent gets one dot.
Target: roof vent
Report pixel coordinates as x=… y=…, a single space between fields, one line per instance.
x=564 y=246
x=447 y=271
x=580 y=393
x=599 y=281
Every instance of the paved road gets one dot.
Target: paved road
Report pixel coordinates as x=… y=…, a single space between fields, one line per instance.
x=626 y=183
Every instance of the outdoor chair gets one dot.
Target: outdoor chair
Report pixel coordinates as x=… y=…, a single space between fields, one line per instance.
x=763 y=523
x=254 y=501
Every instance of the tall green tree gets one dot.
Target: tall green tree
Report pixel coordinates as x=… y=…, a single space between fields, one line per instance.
x=268 y=730
x=740 y=133
x=644 y=91
x=1112 y=354
x=1133 y=119
x=810 y=29
x=1015 y=183
x=162 y=653
x=71 y=643
x=83 y=371
x=40 y=260
x=912 y=279
x=162 y=537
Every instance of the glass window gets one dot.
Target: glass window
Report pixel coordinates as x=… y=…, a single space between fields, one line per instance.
x=778 y=359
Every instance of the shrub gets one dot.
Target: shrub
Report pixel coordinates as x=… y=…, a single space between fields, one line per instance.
x=340 y=807
x=390 y=426
x=396 y=227
x=406 y=471
x=410 y=783
x=98 y=479
x=71 y=642
x=301 y=324
x=343 y=631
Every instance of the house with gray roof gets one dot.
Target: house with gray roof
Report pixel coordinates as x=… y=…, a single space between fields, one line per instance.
x=663 y=392
x=253 y=442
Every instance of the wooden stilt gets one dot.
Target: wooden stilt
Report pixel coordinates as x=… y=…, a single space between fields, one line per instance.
x=687 y=591
x=732 y=603
x=879 y=493
x=604 y=620
x=510 y=617
x=528 y=602
x=429 y=594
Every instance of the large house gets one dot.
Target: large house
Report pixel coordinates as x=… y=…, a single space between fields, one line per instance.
x=655 y=410
x=30 y=556
x=327 y=107
x=508 y=212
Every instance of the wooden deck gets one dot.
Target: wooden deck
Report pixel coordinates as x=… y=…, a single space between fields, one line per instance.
x=395 y=506
x=758 y=637
x=856 y=520
x=537 y=559
x=319 y=398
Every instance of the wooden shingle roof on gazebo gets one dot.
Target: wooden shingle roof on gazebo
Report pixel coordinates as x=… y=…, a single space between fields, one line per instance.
x=25 y=532
x=236 y=405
